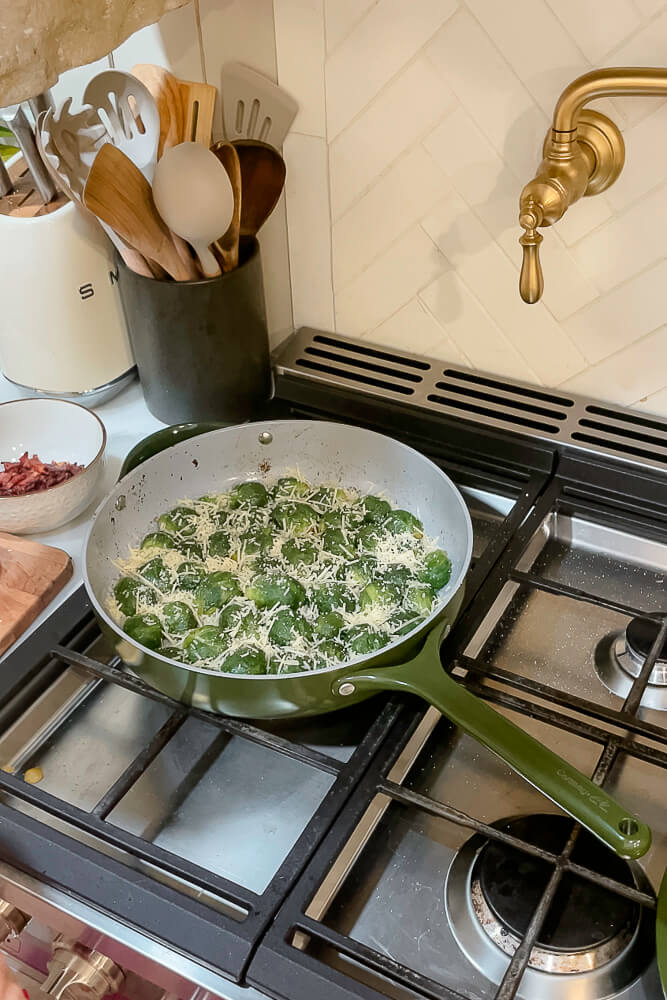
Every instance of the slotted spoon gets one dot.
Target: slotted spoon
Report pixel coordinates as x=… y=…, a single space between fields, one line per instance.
x=130 y=115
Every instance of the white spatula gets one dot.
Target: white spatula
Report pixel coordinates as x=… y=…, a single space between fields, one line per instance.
x=254 y=107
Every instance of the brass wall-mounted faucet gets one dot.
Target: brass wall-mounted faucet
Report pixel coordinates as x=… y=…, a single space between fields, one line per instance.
x=583 y=154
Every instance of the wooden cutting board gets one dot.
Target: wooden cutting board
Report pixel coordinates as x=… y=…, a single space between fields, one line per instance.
x=30 y=577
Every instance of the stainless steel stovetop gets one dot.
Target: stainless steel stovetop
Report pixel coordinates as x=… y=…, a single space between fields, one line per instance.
x=376 y=852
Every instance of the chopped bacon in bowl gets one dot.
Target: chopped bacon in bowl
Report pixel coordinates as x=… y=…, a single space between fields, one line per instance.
x=30 y=475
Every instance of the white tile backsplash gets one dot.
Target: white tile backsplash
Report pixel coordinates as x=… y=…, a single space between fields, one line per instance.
x=419 y=124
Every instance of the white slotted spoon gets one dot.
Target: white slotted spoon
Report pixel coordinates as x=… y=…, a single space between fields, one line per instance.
x=130 y=115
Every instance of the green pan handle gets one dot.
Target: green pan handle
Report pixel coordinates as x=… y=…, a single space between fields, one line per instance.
x=160 y=441
x=558 y=780
x=661 y=933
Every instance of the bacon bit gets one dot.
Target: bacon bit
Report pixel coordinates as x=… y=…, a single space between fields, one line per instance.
x=29 y=475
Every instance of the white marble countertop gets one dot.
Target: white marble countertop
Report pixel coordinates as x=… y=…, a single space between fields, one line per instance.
x=127 y=420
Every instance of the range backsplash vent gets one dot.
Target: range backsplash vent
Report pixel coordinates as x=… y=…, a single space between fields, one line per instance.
x=426 y=383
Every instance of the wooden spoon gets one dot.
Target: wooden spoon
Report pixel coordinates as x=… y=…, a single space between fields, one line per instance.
x=166 y=92
x=228 y=245
x=262 y=180
x=118 y=193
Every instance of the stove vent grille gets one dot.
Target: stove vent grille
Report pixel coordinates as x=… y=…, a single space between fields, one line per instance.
x=423 y=382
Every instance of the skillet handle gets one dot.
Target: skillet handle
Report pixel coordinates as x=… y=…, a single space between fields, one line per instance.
x=553 y=776
x=160 y=441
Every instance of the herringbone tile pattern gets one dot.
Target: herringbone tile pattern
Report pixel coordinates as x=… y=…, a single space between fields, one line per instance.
x=420 y=123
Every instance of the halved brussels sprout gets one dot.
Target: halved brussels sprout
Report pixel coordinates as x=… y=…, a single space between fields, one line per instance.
x=218 y=544
x=269 y=590
x=437 y=569
x=174 y=653
x=405 y=621
x=289 y=486
x=295 y=516
x=295 y=663
x=419 y=598
x=329 y=624
x=332 y=519
x=178 y=617
x=158 y=540
x=216 y=590
x=397 y=576
x=256 y=540
x=335 y=542
x=204 y=643
x=299 y=553
x=128 y=592
x=249 y=495
x=378 y=595
x=400 y=522
x=376 y=509
x=157 y=573
x=144 y=629
x=287 y=626
x=179 y=521
x=330 y=495
x=190 y=549
x=331 y=650
x=245 y=660
x=238 y=619
x=369 y=536
x=362 y=639
x=332 y=596
x=361 y=571
x=189 y=575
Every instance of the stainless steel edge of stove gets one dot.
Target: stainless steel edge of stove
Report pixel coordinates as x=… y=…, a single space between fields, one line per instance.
x=507 y=404
x=639 y=980
x=122 y=943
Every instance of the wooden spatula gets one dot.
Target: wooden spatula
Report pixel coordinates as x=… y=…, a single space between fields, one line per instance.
x=227 y=246
x=118 y=193
x=198 y=100
x=166 y=92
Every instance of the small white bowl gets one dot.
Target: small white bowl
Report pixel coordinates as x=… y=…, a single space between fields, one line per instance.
x=55 y=430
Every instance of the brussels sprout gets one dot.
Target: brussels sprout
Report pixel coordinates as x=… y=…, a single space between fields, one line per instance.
x=189 y=575
x=238 y=619
x=158 y=540
x=332 y=519
x=329 y=495
x=287 y=626
x=362 y=639
x=249 y=495
x=178 y=617
x=369 y=536
x=179 y=521
x=400 y=522
x=419 y=598
x=294 y=516
x=334 y=541
x=173 y=653
x=204 y=643
x=190 y=549
x=294 y=663
x=437 y=569
x=405 y=621
x=361 y=571
x=219 y=517
x=218 y=544
x=268 y=590
x=256 y=540
x=332 y=596
x=128 y=592
x=377 y=595
x=397 y=576
x=211 y=498
x=144 y=629
x=157 y=573
x=331 y=650
x=299 y=553
x=216 y=590
x=289 y=486
x=376 y=509
x=329 y=624
x=246 y=660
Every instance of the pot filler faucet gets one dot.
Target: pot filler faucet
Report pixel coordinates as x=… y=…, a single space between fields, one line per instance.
x=583 y=154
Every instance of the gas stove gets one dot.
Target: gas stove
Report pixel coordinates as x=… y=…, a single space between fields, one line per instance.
x=376 y=852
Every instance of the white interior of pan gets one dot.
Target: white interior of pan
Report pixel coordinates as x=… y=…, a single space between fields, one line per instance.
x=323 y=453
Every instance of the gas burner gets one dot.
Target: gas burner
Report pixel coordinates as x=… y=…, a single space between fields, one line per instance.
x=620 y=657
x=599 y=939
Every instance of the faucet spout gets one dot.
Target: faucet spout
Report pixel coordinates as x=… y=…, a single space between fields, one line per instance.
x=583 y=154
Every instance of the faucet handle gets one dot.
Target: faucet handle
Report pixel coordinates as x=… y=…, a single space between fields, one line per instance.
x=531 y=282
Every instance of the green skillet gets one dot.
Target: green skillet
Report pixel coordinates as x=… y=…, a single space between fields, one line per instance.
x=329 y=453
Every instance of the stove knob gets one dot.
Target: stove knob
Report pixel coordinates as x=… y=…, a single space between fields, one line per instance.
x=77 y=973
x=12 y=920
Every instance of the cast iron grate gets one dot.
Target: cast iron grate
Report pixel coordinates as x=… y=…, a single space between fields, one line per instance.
x=298 y=956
